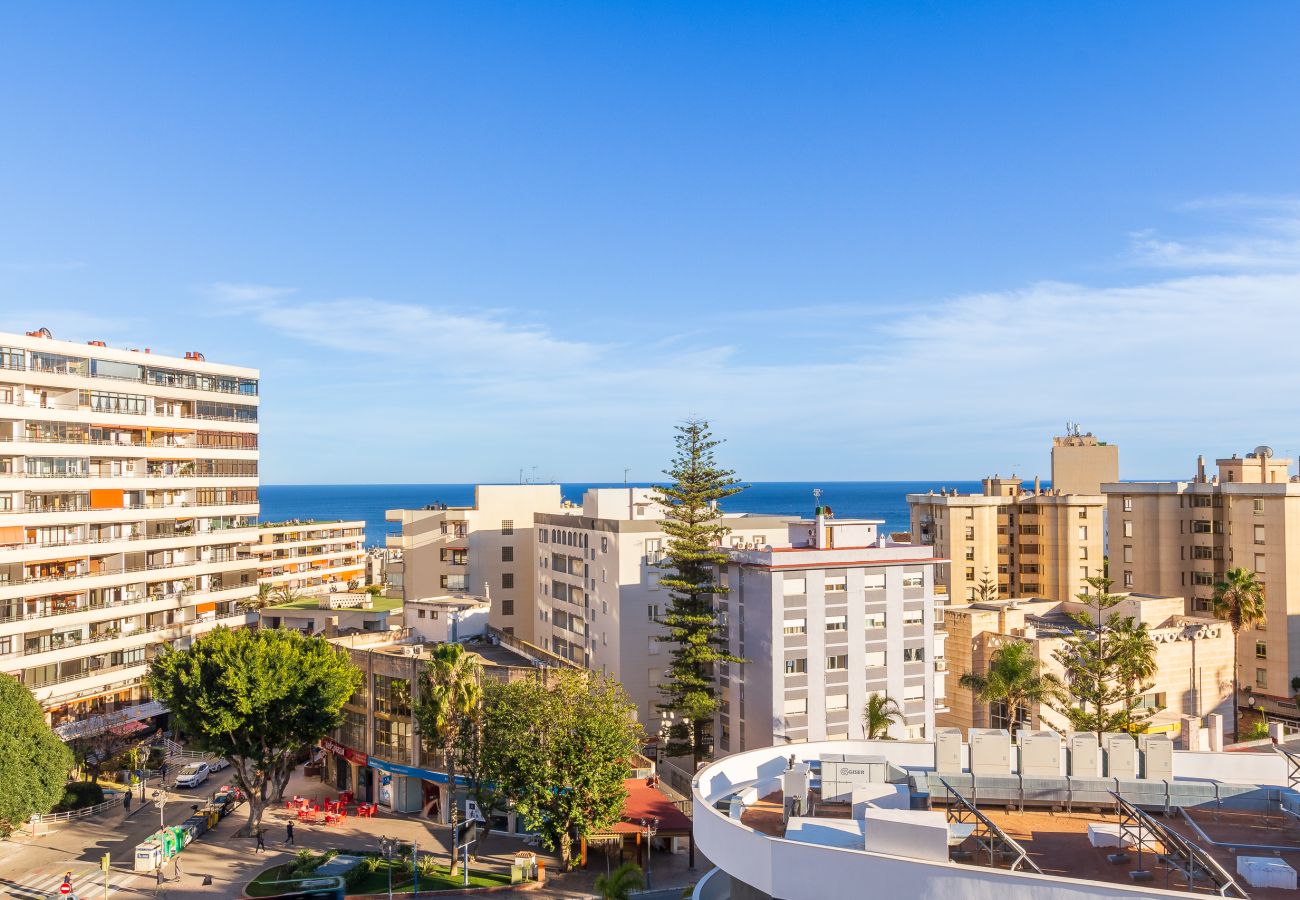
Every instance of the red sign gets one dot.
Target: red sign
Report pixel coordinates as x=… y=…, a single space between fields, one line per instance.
x=346 y=752
x=65 y=888
x=336 y=749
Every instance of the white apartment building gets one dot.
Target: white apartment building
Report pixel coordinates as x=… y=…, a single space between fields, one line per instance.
x=311 y=557
x=597 y=596
x=486 y=549
x=837 y=614
x=128 y=499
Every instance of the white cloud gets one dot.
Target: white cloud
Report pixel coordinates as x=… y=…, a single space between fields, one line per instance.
x=237 y=292
x=1254 y=233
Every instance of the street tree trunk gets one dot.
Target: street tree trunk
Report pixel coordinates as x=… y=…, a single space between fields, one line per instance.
x=1236 y=685
x=455 y=807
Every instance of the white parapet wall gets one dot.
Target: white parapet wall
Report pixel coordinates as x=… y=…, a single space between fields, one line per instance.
x=799 y=871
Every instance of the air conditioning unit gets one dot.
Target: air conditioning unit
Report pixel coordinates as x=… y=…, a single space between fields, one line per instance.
x=1085 y=755
x=990 y=751
x=947 y=751
x=1121 y=755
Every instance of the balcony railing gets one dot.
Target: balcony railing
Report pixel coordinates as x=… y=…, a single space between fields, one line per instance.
x=131 y=600
x=125 y=570
x=145 y=379
x=30 y=509
x=88 y=541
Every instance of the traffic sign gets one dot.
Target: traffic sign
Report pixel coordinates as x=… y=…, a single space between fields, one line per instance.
x=65 y=888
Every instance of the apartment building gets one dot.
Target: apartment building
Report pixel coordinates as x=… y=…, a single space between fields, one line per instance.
x=836 y=615
x=1032 y=542
x=128 y=499
x=1081 y=463
x=311 y=557
x=1193 y=657
x=1181 y=537
x=597 y=596
x=488 y=548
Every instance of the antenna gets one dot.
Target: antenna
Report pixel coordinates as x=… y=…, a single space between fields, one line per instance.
x=626 y=469
x=1265 y=451
x=817 y=498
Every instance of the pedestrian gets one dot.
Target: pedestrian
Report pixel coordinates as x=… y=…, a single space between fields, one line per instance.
x=126 y=801
x=288 y=833
x=261 y=841
x=160 y=876
x=177 y=873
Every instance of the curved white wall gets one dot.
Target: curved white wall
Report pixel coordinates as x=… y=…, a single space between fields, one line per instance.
x=794 y=871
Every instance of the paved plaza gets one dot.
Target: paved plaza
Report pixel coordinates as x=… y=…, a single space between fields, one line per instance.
x=32 y=868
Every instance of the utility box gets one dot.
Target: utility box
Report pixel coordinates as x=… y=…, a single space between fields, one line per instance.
x=1157 y=757
x=794 y=786
x=1040 y=754
x=842 y=773
x=1085 y=755
x=148 y=856
x=1121 y=756
x=990 y=751
x=947 y=751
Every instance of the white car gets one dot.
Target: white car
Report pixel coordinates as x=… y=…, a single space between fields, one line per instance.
x=218 y=764
x=193 y=775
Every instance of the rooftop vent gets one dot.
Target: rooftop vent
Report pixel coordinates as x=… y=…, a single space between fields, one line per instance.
x=41 y=332
x=194 y=355
x=97 y=343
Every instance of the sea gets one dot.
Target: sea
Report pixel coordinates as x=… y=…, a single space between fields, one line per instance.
x=847 y=499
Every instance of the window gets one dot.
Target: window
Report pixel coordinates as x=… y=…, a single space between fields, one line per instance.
x=507 y=554
x=1083 y=514
x=1128 y=504
x=837 y=583
x=507 y=526
x=875 y=620
x=837 y=663
x=1259 y=534
x=914 y=691
x=1261 y=650
x=421 y=614
x=837 y=701
x=797 y=666
x=970 y=532
x=1128 y=579
x=1200 y=604
x=1259 y=506
x=392 y=696
x=913 y=616
x=1203 y=579
x=970 y=573
x=873 y=581
x=836 y=623
x=913 y=654
x=1128 y=553
x=1261 y=678
x=541 y=535
x=795 y=626
x=970 y=553
x=1128 y=528
x=912 y=581
x=796 y=706
x=1083 y=532
x=654 y=553
x=604 y=545
x=1200 y=526
x=793 y=587
x=652 y=612
x=507 y=580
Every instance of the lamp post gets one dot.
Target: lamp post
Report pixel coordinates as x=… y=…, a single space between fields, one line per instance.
x=387 y=844
x=651 y=827
x=160 y=797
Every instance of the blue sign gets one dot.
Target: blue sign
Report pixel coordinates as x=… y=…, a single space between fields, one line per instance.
x=387 y=779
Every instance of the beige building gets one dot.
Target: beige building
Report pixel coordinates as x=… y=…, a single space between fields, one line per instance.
x=596 y=591
x=1182 y=536
x=311 y=557
x=1081 y=464
x=1027 y=542
x=1193 y=656
x=488 y=549
x=128 y=501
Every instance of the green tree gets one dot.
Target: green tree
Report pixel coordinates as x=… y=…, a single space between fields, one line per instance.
x=1135 y=654
x=880 y=712
x=474 y=759
x=986 y=590
x=1097 y=694
x=561 y=752
x=257 y=698
x=92 y=752
x=619 y=884
x=1015 y=679
x=695 y=532
x=34 y=763
x=261 y=601
x=285 y=594
x=1239 y=600
x=450 y=695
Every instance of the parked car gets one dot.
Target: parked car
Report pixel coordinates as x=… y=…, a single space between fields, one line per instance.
x=218 y=764
x=193 y=775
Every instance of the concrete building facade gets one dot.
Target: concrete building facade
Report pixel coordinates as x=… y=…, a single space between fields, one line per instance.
x=311 y=557
x=128 y=501
x=837 y=615
x=1193 y=657
x=1081 y=464
x=597 y=596
x=1024 y=541
x=488 y=549
x=1181 y=537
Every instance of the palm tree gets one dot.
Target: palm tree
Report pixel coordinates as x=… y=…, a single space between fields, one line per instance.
x=451 y=693
x=1135 y=652
x=1239 y=600
x=619 y=884
x=286 y=594
x=261 y=601
x=1014 y=679
x=878 y=715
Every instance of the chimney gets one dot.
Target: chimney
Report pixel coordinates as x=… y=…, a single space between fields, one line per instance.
x=1038 y=485
x=820 y=531
x=1200 y=468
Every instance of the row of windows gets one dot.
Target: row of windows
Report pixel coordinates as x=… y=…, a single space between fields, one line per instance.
x=839 y=662
x=872 y=581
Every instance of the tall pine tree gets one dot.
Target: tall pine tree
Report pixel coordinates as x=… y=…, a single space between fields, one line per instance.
x=695 y=532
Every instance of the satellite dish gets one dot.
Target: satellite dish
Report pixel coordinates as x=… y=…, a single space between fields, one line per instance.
x=1265 y=451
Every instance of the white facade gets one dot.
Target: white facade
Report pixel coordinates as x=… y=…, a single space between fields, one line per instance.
x=311 y=557
x=128 y=500
x=436 y=620
x=823 y=624
x=597 y=593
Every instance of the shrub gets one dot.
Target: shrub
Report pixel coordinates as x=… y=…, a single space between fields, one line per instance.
x=79 y=795
x=1256 y=732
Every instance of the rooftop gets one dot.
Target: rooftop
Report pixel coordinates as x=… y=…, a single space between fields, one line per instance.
x=312 y=601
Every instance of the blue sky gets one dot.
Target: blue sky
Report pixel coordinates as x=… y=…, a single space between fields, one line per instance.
x=866 y=240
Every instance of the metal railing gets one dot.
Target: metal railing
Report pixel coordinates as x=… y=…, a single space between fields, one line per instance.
x=73 y=815
x=988 y=835
x=159 y=536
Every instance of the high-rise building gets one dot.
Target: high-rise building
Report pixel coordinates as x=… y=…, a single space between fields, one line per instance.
x=311 y=557
x=1081 y=464
x=597 y=590
x=486 y=549
x=837 y=615
x=128 y=500
x=1181 y=537
x=1031 y=542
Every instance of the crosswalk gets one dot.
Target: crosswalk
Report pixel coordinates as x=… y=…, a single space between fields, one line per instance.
x=87 y=882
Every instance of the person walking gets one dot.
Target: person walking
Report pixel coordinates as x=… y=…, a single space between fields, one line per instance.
x=177 y=873
x=288 y=834
x=126 y=801
x=261 y=841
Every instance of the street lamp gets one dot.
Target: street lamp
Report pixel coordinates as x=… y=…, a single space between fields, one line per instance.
x=160 y=797
x=387 y=844
x=651 y=827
